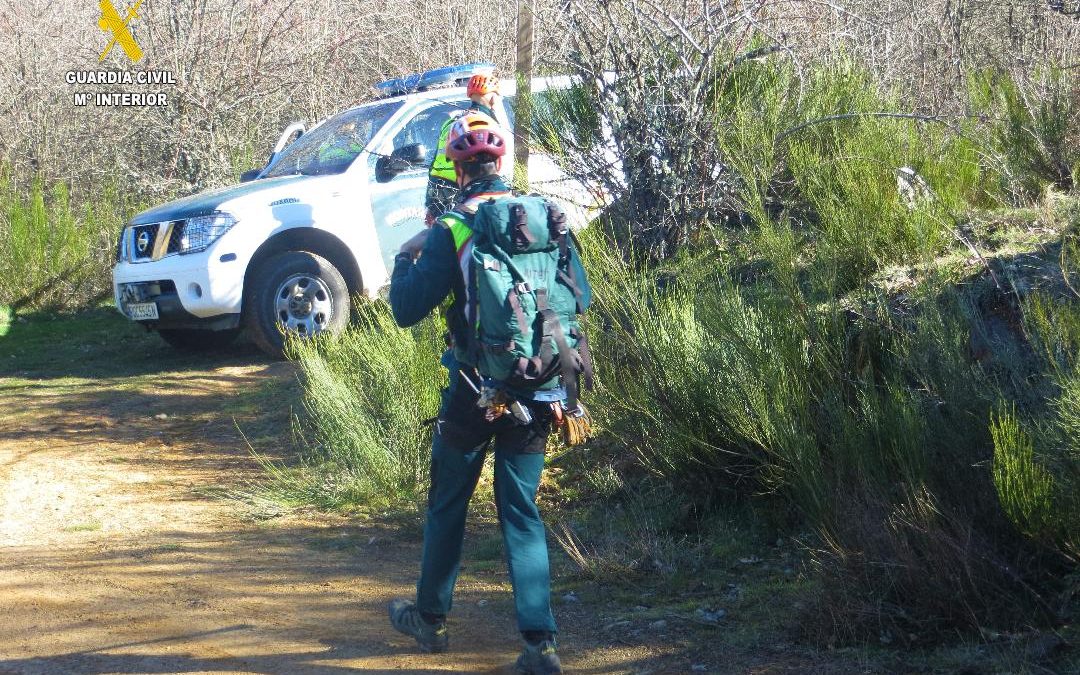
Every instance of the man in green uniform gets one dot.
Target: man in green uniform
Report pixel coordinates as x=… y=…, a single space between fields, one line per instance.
x=475 y=146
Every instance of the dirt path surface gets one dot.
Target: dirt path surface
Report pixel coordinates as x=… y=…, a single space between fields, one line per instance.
x=116 y=558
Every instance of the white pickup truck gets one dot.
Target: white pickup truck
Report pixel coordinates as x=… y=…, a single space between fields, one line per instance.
x=284 y=251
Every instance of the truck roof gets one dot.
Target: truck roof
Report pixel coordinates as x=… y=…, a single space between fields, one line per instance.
x=449 y=83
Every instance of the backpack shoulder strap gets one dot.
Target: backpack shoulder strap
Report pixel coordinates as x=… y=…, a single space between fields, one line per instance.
x=561 y=234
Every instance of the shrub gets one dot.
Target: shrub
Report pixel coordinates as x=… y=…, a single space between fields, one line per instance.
x=823 y=153
x=1033 y=127
x=51 y=254
x=1036 y=456
x=366 y=396
x=866 y=423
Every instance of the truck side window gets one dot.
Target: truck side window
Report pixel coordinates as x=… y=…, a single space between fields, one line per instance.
x=425 y=126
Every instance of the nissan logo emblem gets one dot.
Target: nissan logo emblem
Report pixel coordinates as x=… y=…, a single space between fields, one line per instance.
x=143 y=241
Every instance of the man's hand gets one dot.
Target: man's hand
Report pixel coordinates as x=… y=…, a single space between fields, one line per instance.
x=416 y=244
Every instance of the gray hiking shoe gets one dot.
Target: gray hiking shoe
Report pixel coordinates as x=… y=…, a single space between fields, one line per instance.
x=539 y=659
x=405 y=617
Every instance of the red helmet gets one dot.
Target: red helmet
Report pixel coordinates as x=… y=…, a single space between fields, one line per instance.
x=473 y=134
x=482 y=84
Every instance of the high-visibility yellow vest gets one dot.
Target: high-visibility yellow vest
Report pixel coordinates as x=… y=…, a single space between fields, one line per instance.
x=441 y=167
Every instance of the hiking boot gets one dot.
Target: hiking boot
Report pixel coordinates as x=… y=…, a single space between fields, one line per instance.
x=406 y=618
x=539 y=659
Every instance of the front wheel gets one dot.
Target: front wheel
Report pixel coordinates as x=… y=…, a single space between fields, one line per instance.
x=296 y=293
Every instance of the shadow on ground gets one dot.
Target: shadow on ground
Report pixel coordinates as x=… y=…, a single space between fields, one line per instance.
x=198 y=408
x=282 y=598
x=100 y=343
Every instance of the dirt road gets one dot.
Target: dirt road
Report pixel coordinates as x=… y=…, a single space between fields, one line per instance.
x=116 y=557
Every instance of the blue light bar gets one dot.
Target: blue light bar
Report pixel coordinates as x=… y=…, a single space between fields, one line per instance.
x=449 y=75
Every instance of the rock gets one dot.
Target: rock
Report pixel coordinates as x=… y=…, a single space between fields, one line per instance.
x=617 y=624
x=481 y=603
x=161 y=416
x=711 y=616
x=912 y=187
x=658 y=625
x=699 y=668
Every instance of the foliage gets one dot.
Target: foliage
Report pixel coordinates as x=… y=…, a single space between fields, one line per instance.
x=865 y=423
x=52 y=254
x=1033 y=127
x=366 y=396
x=753 y=367
x=821 y=152
x=1037 y=459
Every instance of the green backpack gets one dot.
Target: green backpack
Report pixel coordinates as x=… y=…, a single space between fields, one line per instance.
x=529 y=287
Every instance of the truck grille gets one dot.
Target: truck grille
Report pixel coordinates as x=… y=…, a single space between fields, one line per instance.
x=175 y=236
x=143 y=239
x=153 y=241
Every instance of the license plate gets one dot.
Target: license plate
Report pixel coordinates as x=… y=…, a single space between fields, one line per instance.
x=143 y=311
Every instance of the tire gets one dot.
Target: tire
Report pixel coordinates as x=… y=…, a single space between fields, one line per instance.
x=296 y=292
x=198 y=340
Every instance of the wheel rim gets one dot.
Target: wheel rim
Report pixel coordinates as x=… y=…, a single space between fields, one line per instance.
x=304 y=305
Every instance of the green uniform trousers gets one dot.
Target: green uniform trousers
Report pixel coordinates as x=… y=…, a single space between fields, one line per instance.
x=461 y=441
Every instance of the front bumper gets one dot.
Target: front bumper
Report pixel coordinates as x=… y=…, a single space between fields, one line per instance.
x=205 y=296
x=171 y=312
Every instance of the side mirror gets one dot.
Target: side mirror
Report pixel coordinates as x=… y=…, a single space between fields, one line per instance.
x=414 y=154
x=401 y=159
x=250 y=175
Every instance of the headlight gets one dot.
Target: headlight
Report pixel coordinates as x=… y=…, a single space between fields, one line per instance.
x=201 y=231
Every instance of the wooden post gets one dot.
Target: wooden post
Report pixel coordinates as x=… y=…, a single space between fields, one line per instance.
x=523 y=104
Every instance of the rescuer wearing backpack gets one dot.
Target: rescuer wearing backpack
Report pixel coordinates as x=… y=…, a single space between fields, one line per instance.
x=516 y=286
x=442 y=187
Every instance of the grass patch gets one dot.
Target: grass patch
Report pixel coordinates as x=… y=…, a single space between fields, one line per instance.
x=487 y=547
x=97 y=343
x=862 y=416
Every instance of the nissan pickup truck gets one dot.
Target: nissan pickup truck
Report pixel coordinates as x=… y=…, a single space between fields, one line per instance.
x=288 y=249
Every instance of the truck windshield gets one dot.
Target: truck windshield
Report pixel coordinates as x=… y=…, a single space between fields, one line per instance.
x=332 y=146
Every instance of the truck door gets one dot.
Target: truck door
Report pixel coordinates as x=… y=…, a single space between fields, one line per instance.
x=397 y=206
